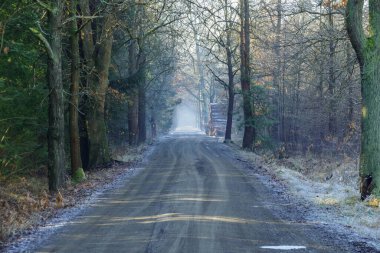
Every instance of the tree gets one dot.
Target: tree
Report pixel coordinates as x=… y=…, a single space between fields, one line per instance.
x=278 y=128
x=221 y=45
x=332 y=79
x=23 y=89
x=97 y=47
x=231 y=74
x=368 y=53
x=76 y=161
x=56 y=140
x=248 y=105
x=133 y=25
x=140 y=22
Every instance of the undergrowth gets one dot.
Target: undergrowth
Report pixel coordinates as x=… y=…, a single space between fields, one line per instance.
x=20 y=198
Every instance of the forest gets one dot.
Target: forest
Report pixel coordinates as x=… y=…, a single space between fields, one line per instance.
x=83 y=81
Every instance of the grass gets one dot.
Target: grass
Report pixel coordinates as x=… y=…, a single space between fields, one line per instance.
x=20 y=198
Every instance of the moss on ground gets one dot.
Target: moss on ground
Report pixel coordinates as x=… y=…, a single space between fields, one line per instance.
x=79 y=176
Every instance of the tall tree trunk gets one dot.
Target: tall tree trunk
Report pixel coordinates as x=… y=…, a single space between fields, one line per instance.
x=248 y=105
x=133 y=126
x=297 y=109
x=368 y=54
x=278 y=130
x=350 y=116
x=320 y=133
x=331 y=88
x=231 y=99
x=201 y=85
x=76 y=161
x=56 y=140
x=133 y=96
x=88 y=66
x=231 y=88
x=142 y=112
x=153 y=126
x=97 y=131
x=97 y=62
x=282 y=83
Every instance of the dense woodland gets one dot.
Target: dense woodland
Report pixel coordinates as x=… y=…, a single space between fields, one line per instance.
x=82 y=78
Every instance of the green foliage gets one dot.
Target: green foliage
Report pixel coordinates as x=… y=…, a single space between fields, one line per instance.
x=262 y=120
x=371 y=44
x=23 y=118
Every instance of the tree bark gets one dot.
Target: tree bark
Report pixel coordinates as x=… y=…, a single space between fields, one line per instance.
x=133 y=126
x=97 y=130
x=368 y=54
x=202 y=103
x=97 y=62
x=248 y=105
x=332 y=79
x=201 y=86
x=350 y=115
x=142 y=112
x=76 y=161
x=231 y=88
x=133 y=97
x=88 y=67
x=56 y=140
x=278 y=127
x=153 y=126
x=231 y=99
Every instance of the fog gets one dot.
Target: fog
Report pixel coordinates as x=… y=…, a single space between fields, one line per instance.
x=186 y=117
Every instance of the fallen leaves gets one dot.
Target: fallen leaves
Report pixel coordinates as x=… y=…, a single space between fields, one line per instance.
x=59 y=200
x=26 y=202
x=6 y=50
x=373 y=202
x=44 y=201
x=327 y=201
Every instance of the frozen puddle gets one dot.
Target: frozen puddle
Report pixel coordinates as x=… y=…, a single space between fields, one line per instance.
x=283 y=247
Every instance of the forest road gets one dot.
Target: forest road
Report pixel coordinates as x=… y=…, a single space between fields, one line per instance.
x=193 y=195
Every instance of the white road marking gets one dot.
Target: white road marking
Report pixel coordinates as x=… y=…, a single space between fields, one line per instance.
x=283 y=247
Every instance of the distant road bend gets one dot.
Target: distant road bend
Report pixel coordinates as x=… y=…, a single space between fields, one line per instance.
x=193 y=195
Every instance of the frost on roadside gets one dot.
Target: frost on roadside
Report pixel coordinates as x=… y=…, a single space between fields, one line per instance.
x=332 y=186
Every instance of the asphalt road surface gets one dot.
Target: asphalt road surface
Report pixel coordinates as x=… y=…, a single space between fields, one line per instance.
x=193 y=195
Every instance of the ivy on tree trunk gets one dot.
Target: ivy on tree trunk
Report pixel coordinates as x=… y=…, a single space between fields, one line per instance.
x=368 y=53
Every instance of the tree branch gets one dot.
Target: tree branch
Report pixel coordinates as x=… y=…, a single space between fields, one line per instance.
x=45 y=42
x=44 y=5
x=222 y=82
x=354 y=24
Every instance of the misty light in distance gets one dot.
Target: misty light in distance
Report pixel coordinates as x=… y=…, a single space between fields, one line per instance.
x=186 y=118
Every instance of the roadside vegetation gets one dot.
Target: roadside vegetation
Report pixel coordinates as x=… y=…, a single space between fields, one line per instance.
x=328 y=183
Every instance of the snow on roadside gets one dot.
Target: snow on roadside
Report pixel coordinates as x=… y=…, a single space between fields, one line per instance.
x=336 y=194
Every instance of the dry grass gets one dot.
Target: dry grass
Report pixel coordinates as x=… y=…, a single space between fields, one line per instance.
x=20 y=200
x=327 y=182
x=25 y=202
